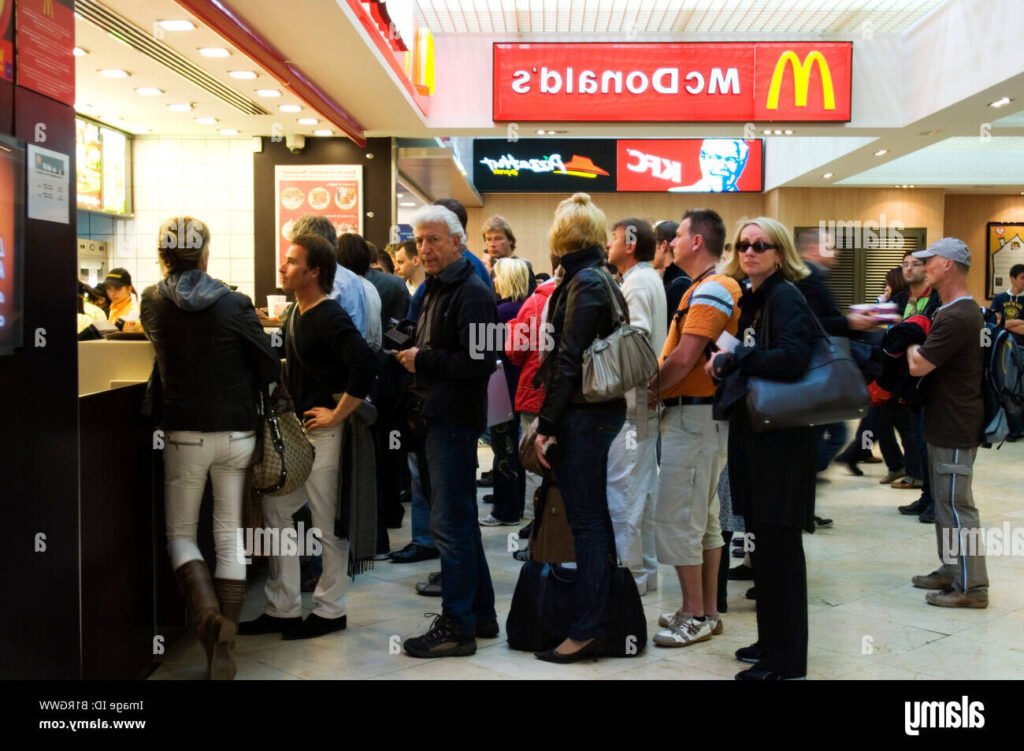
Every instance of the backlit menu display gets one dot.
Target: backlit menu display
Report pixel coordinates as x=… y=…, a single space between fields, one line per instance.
x=12 y=209
x=102 y=168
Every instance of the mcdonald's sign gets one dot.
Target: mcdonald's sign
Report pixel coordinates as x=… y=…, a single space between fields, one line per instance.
x=806 y=82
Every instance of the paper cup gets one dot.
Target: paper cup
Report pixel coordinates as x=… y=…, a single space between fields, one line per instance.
x=276 y=305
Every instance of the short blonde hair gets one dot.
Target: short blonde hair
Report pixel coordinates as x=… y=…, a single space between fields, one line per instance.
x=511 y=278
x=793 y=267
x=578 y=224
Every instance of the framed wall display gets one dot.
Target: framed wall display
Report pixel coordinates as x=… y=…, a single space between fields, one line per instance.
x=1005 y=248
x=331 y=190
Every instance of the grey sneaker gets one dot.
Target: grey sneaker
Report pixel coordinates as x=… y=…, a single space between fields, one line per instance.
x=934 y=580
x=670 y=620
x=689 y=632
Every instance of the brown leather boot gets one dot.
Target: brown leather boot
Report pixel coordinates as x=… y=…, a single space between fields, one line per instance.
x=231 y=594
x=196 y=587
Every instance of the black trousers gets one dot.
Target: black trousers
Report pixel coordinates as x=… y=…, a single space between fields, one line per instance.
x=780 y=575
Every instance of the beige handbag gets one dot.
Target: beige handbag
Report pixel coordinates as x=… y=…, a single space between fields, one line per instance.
x=284 y=456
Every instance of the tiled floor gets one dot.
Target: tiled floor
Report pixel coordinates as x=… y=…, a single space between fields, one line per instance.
x=866 y=620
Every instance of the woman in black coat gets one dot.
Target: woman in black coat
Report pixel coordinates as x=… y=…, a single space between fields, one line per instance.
x=771 y=474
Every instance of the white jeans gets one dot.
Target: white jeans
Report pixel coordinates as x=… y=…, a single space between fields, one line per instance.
x=188 y=457
x=284 y=595
x=632 y=493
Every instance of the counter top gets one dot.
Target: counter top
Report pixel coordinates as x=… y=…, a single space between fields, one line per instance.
x=104 y=365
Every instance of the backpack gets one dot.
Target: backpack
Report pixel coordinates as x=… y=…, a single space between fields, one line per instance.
x=1002 y=383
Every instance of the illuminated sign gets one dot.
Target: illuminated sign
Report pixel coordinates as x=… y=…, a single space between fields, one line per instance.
x=543 y=166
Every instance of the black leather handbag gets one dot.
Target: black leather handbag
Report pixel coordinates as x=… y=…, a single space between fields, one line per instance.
x=832 y=389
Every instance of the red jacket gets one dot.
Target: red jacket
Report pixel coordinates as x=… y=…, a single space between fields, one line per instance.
x=525 y=327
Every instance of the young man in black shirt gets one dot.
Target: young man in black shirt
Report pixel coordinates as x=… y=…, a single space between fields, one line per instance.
x=326 y=355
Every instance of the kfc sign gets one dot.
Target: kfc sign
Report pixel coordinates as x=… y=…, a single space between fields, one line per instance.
x=710 y=165
x=673 y=82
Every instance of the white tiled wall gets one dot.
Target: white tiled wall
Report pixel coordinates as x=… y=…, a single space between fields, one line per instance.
x=210 y=179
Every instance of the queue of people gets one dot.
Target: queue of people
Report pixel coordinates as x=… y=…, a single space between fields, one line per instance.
x=641 y=478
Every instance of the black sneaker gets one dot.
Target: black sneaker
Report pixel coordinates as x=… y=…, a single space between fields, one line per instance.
x=486 y=480
x=752 y=654
x=269 y=624
x=915 y=508
x=487 y=629
x=441 y=640
x=928 y=515
x=524 y=533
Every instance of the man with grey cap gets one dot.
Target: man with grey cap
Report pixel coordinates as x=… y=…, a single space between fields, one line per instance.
x=954 y=415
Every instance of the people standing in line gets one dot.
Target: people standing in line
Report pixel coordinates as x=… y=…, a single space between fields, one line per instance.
x=688 y=531
x=348 y=291
x=1008 y=306
x=409 y=267
x=354 y=255
x=950 y=361
x=213 y=359
x=394 y=297
x=326 y=355
x=771 y=474
x=576 y=433
x=633 y=456
x=450 y=377
x=512 y=287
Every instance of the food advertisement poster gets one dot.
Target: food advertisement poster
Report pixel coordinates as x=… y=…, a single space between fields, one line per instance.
x=89 y=165
x=331 y=190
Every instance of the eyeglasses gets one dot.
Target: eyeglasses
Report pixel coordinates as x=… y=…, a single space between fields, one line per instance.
x=758 y=247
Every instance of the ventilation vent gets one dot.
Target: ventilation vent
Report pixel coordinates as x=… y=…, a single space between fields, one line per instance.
x=143 y=41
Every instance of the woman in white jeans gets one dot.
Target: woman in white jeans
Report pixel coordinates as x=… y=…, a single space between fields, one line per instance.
x=213 y=359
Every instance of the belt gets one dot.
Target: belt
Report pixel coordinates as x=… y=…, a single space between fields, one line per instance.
x=685 y=401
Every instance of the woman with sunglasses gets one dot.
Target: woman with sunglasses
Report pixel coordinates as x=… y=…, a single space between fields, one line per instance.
x=771 y=474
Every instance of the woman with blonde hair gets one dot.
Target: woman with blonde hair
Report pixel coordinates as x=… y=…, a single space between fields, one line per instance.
x=771 y=474
x=574 y=435
x=512 y=286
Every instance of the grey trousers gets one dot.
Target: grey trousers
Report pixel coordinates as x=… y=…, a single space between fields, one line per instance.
x=957 y=521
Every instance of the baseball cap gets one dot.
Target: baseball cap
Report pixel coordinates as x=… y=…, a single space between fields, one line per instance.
x=118 y=278
x=947 y=247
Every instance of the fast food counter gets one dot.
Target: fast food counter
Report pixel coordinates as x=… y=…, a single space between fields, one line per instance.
x=106 y=364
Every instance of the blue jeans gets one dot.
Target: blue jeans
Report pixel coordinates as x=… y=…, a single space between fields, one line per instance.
x=420 y=506
x=829 y=447
x=466 y=592
x=581 y=468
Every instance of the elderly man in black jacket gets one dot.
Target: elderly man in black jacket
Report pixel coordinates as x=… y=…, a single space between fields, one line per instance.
x=451 y=371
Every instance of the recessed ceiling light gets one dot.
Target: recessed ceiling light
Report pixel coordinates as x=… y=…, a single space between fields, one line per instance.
x=243 y=75
x=828 y=175
x=777 y=132
x=114 y=73
x=176 y=25
x=228 y=132
x=789 y=132
x=308 y=121
x=323 y=132
x=767 y=131
x=80 y=51
x=270 y=93
x=182 y=107
x=409 y=204
x=206 y=121
x=999 y=103
x=399 y=195
x=214 y=52
x=289 y=108
x=541 y=132
x=881 y=152
x=149 y=91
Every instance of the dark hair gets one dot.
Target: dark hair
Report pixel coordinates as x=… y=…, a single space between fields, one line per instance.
x=541 y=277
x=709 y=225
x=894 y=278
x=314 y=224
x=354 y=253
x=643 y=236
x=908 y=252
x=384 y=259
x=665 y=231
x=456 y=208
x=409 y=246
x=1017 y=269
x=320 y=256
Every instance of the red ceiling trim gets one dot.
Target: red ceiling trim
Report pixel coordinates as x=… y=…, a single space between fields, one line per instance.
x=375 y=33
x=219 y=17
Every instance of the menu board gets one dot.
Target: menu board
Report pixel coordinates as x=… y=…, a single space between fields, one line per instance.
x=101 y=168
x=12 y=209
x=334 y=191
x=7 y=40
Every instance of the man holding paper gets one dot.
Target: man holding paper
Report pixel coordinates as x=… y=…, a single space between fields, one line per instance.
x=693 y=445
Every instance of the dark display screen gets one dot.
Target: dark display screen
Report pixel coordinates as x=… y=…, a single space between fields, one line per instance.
x=544 y=166
x=12 y=215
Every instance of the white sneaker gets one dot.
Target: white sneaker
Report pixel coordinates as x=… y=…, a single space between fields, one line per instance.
x=717 y=626
x=690 y=632
x=670 y=620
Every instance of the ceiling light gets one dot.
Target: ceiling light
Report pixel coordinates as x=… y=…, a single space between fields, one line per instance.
x=268 y=92
x=228 y=132
x=409 y=204
x=243 y=75
x=767 y=131
x=323 y=132
x=289 y=108
x=541 y=132
x=828 y=175
x=399 y=195
x=789 y=132
x=1000 y=103
x=206 y=121
x=149 y=91
x=180 y=25
x=308 y=121
x=114 y=73
x=80 y=52
x=182 y=107
x=777 y=132
x=214 y=52
x=881 y=152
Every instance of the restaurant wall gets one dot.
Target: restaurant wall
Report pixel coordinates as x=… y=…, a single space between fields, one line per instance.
x=966 y=217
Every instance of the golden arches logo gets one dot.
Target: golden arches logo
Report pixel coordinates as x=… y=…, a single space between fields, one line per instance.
x=48 y=8
x=801 y=79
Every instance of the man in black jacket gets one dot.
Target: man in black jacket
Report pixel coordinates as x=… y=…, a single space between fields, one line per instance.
x=451 y=371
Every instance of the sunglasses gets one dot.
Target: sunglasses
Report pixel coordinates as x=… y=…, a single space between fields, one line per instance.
x=758 y=247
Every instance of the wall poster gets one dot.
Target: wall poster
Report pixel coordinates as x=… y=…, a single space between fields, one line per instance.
x=331 y=190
